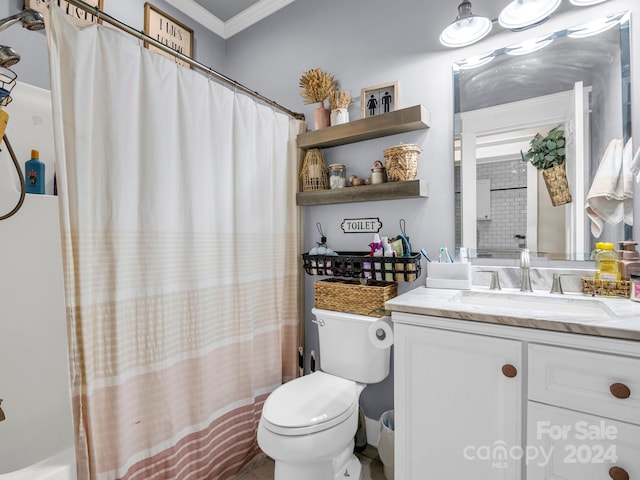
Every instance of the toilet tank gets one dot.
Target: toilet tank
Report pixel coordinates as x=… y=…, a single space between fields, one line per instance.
x=345 y=348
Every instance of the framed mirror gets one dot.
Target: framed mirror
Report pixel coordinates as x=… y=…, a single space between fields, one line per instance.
x=577 y=79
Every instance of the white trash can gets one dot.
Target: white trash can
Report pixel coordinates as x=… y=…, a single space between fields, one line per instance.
x=386 y=443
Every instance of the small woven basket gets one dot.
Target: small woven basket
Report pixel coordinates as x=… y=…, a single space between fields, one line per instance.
x=314 y=174
x=555 y=178
x=402 y=162
x=352 y=296
x=606 y=288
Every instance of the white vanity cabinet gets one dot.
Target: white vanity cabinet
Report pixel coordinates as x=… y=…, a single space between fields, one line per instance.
x=571 y=412
x=458 y=396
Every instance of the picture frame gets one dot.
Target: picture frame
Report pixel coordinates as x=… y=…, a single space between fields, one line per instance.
x=168 y=31
x=80 y=17
x=379 y=99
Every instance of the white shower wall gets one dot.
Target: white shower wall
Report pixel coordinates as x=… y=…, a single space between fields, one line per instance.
x=34 y=371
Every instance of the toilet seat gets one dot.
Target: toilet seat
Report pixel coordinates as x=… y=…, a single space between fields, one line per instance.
x=310 y=404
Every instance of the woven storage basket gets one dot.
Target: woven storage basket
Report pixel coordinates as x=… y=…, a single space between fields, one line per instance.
x=606 y=288
x=402 y=162
x=351 y=296
x=555 y=178
x=315 y=175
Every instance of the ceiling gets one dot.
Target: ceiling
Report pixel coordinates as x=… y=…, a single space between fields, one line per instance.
x=228 y=17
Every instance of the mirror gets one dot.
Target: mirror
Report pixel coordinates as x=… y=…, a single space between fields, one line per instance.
x=579 y=79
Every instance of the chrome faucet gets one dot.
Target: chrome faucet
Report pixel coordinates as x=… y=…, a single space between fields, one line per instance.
x=556 y=286
x=495 y=279
x=525 y=266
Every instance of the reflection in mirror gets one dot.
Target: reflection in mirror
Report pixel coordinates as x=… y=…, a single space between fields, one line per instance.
x=579 y=79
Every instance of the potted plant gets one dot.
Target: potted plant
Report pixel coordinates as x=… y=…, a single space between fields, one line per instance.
x=315 y=87
x=548 y=153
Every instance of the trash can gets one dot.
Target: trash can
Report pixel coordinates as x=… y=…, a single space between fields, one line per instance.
x=386 y=443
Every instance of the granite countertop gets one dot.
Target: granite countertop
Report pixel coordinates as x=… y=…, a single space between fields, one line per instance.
x=571 y=312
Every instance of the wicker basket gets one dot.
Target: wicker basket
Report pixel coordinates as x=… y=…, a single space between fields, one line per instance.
x=606 y=288
x=315 y=175
x=555 y=178
x=402 y=162
x=352 y=296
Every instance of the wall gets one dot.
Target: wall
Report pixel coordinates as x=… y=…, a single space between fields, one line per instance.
x=365 y=44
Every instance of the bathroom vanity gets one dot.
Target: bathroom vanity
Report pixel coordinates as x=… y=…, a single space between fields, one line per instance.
x=505 y=385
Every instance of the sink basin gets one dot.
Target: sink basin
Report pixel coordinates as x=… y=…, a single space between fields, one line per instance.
x=563 y=306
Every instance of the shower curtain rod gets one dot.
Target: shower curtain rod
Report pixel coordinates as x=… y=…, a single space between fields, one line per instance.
x=132 y=31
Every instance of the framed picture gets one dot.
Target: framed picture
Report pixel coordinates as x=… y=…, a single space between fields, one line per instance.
x=379 y=99
x=80 y=17
x=168 y=31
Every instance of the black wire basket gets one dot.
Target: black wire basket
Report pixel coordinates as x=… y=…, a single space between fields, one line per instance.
x=364 y=266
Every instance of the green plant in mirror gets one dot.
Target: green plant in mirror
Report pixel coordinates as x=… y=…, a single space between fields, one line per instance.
x=546 y=151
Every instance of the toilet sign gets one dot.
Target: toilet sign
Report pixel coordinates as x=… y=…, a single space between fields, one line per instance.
x=361 y=225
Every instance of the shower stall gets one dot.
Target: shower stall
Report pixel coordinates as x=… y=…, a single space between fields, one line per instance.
x=36 y=427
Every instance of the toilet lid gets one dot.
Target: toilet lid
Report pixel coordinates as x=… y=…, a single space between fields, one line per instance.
x=317 y=400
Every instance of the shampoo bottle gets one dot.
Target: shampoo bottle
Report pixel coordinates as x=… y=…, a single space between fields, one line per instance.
x=34 y=173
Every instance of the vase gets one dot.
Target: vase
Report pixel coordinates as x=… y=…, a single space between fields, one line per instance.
x=555 y=178
x=321 y=117
x=339 y=116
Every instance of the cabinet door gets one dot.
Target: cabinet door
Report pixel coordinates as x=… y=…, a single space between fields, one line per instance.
x=457 y=414
x=566 y=445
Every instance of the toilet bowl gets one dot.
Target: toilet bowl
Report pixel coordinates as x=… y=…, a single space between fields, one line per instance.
x=308 y=425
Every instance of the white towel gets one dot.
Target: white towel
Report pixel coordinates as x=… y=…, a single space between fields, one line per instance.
x=627 y=171
x=605 y=200
x=635 y=166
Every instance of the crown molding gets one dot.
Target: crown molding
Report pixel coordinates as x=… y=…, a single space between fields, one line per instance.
x=244 y=19
x=252 y=15
x=200 y=15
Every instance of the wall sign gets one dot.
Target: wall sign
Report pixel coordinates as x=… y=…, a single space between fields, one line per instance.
x=168 y=31
x=80 y=17
x=361 y=225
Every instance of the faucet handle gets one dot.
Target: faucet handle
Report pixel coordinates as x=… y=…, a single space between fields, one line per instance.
x=495 y=281
x=556 y=286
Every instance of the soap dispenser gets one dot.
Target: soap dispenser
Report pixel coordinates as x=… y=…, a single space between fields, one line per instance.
x=629 y=259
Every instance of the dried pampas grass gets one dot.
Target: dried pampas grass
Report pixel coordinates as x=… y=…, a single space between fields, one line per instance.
x=339 y=100
x=317 y=85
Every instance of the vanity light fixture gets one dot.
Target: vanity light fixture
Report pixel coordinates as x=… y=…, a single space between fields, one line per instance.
x=521 y=14
x=476 y=61
x=529 y=46
x=585 y=3
x=594 y=27
x=466 y=29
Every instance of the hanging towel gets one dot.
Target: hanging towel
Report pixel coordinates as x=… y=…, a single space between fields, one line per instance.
x=606 y=195
x=635 y=167
x=629 y=175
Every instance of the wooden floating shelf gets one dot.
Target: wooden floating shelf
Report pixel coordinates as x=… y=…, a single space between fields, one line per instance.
x=401 y=121
x=364 y=193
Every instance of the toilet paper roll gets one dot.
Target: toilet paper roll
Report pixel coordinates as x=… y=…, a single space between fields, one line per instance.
x=381 y=333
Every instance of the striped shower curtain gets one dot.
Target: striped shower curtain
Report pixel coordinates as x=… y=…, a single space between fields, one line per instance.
x=180 y=235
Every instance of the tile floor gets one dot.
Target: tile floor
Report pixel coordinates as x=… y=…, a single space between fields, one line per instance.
x=261 y=468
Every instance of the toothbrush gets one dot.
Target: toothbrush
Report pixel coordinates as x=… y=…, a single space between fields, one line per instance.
x=424 y=254
x=448 y=254
x=440 y=254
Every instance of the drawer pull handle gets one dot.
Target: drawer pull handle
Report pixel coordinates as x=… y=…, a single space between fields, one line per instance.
x=617 y=473
x=620 y=390
x=509 y=371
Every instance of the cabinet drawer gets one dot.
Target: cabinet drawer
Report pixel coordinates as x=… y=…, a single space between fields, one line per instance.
x=567 y=445
x=597 y=383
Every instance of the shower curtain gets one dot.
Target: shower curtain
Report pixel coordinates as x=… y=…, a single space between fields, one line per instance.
x=180 y=240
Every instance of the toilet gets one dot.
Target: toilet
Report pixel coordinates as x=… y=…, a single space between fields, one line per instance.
x=308 y=424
